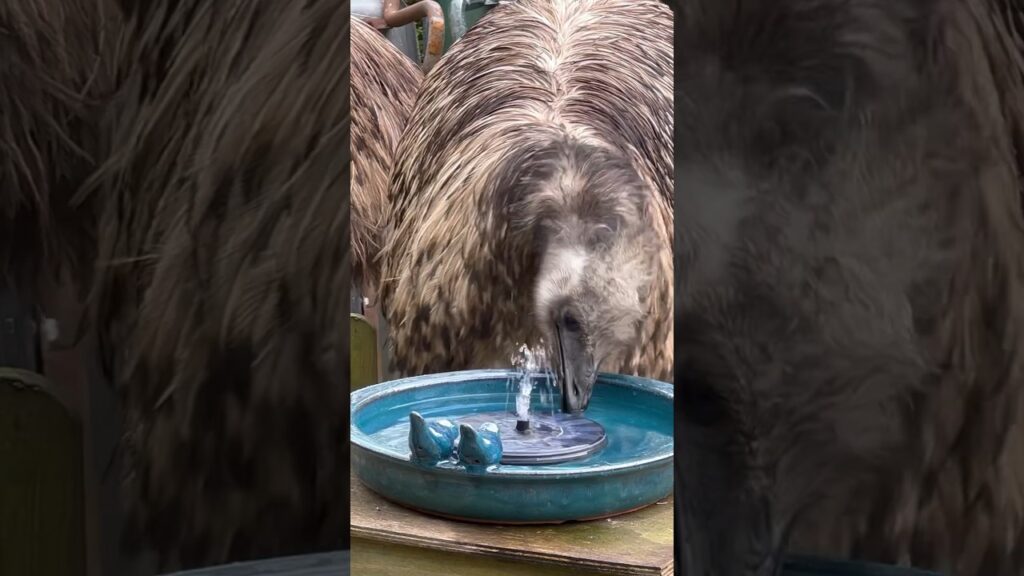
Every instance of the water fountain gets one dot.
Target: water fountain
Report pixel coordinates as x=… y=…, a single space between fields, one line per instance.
x=538 y=438
x=494 y=446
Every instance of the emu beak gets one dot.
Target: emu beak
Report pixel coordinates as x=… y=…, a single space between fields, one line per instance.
x=577 y=374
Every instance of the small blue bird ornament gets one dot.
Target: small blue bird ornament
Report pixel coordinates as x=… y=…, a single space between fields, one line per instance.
x=480 y=447
x=431 y=442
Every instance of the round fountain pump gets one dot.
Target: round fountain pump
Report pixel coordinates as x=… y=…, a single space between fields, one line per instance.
x=534 y=439
x=548 y=439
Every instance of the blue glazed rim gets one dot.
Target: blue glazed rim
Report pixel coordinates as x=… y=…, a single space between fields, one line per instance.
x=366 y=396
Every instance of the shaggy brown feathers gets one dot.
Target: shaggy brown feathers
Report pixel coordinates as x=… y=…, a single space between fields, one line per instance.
x=55 y=76
x=221 y=293
x=531 y=79
x=384 y=84
x=852 y=300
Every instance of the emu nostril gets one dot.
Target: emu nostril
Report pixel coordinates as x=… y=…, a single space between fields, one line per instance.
x=575 y=390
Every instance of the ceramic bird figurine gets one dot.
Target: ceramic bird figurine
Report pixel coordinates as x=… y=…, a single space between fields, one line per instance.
x=431 y=442
x=480 y=447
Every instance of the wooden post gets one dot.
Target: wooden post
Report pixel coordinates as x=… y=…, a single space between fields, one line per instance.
x=65 y=363
x=42 y=526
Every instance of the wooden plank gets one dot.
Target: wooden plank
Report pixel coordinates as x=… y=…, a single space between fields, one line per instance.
x=323 y=564
x=363 y=345
x=375 y=558
x=808 y=566
x=64 y=363
x=41 y=516
x=635 y=543
x=371 y=311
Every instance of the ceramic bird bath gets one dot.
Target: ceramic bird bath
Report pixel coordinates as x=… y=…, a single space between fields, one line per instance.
x=448 y=444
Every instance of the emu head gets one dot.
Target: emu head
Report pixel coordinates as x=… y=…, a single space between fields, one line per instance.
x=587 y=210
x=813 y=158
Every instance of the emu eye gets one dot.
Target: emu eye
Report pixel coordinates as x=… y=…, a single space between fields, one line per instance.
x=570 y=322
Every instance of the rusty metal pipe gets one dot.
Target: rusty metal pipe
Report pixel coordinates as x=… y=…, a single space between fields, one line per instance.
x=395 y=16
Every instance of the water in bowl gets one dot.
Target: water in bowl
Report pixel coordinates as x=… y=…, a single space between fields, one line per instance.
x=635 y=424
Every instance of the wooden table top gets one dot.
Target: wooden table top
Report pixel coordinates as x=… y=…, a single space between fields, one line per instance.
x=323 y=564
x=636 y=543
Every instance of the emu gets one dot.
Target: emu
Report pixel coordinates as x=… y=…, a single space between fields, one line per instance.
x=851 y=366
x=532 y=196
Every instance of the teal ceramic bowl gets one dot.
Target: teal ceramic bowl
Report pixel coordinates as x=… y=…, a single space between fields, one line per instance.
x=632 y=471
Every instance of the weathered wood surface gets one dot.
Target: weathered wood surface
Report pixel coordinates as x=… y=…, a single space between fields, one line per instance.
x=41 y=490
x=390 y=539
x=375 y=558
x=364 y=366
x=807 y=566
x=326 y=564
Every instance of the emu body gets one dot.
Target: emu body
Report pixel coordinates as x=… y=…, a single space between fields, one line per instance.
x=852 y=284
x=220 y=300
x=532 y=196
x=56 y=76
x=187 y=160
x=383 y=85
